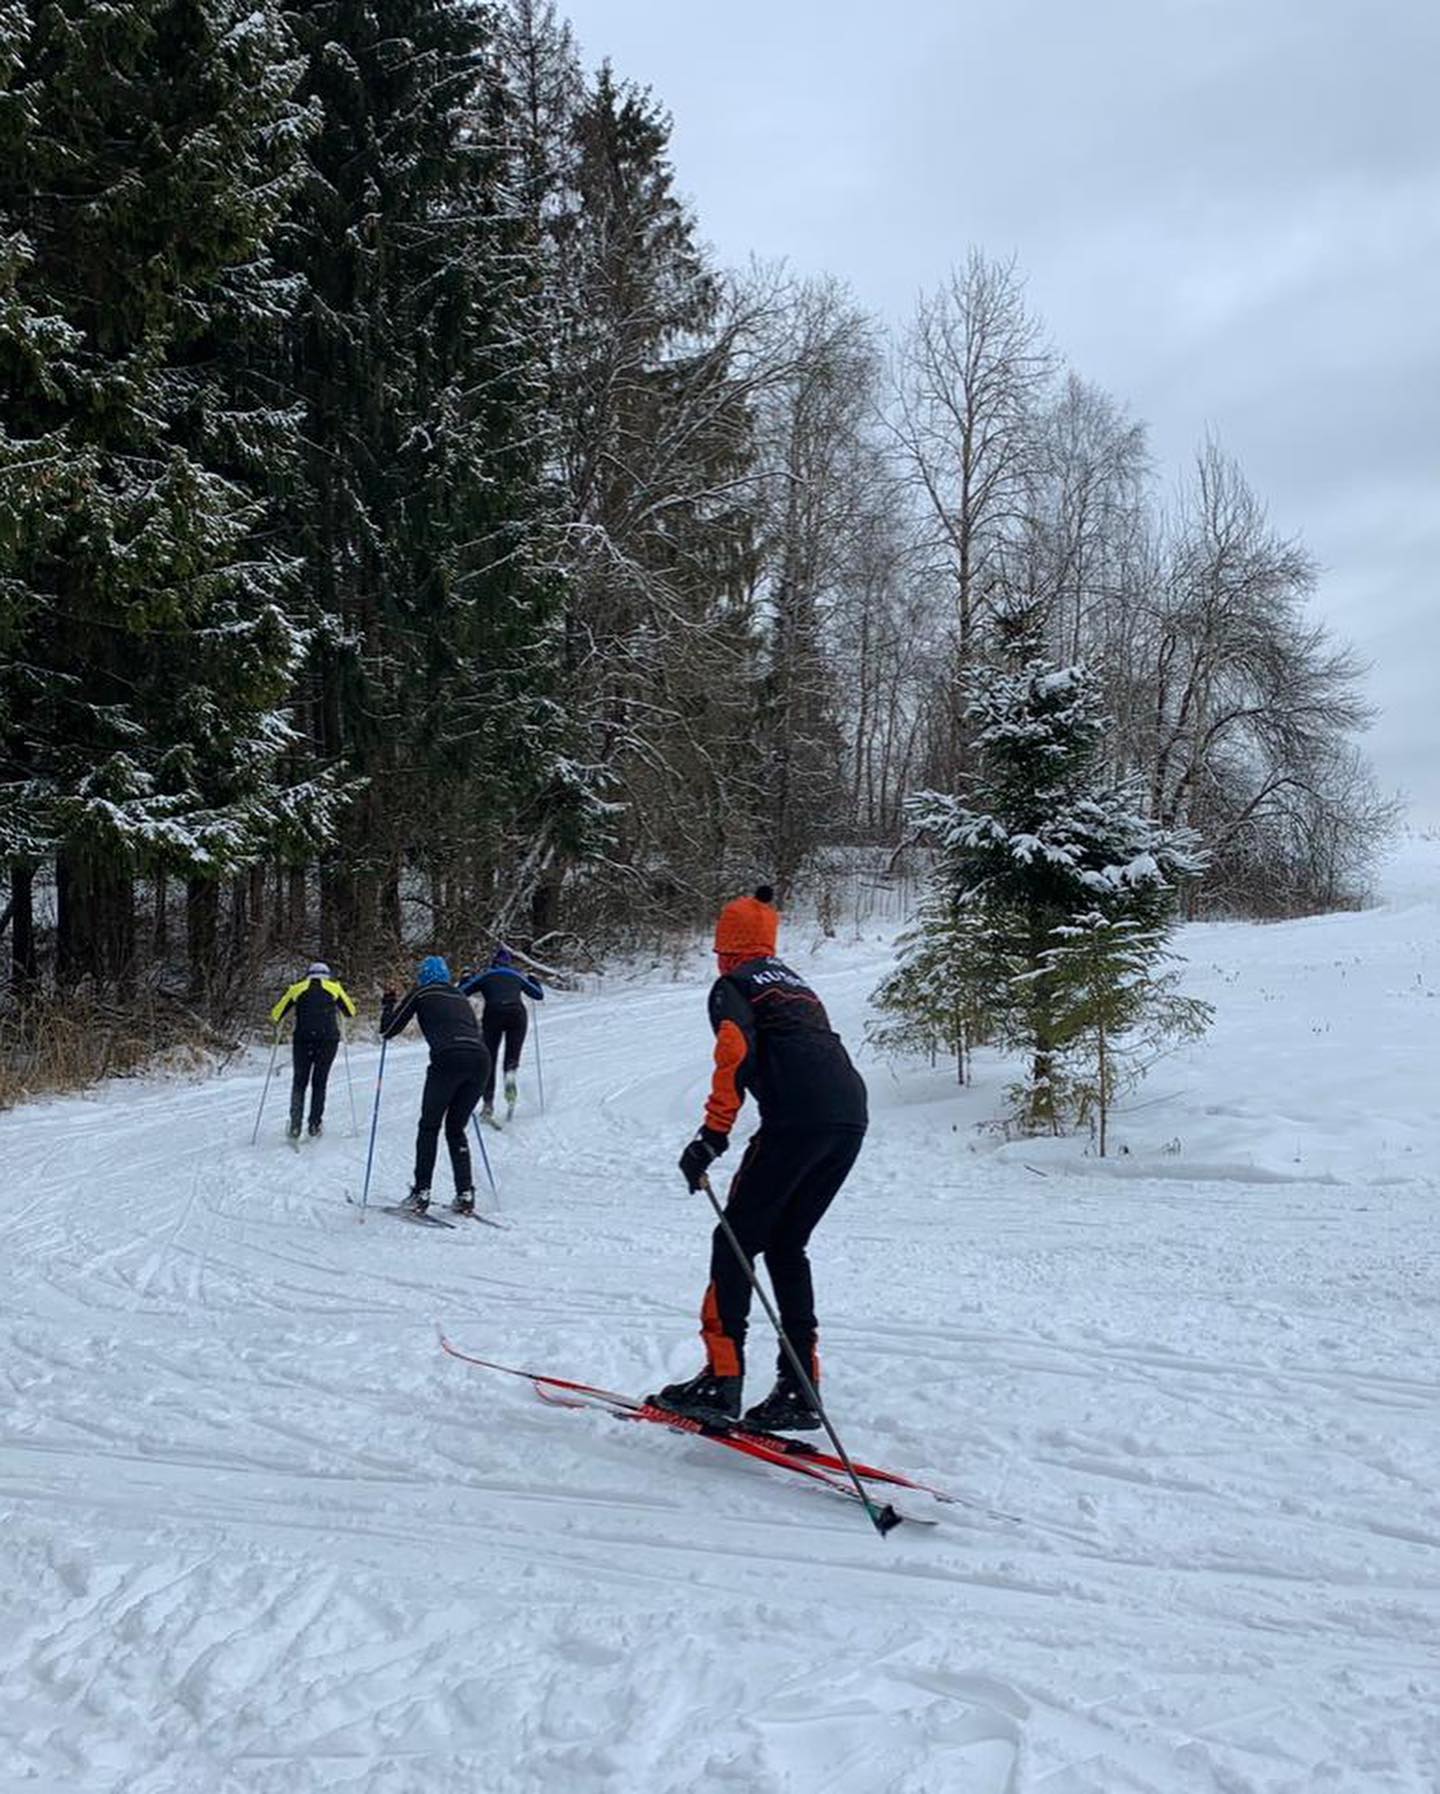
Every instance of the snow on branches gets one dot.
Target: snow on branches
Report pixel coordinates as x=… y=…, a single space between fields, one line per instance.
x=1050 y=903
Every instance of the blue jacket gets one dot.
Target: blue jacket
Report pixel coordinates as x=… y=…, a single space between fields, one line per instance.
x=502 y=987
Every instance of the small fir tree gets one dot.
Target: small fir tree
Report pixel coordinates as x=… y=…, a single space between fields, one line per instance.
x=940 y=993
x=1115 y=1009
x=1043 y=839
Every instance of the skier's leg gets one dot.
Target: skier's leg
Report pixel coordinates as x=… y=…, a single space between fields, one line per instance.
x=433 y=1102
x=324 y=1052
x=464 y=1095
x=515 y=1026
x=492 y=1032
x=786 y=1259
x=755 y=1202
x=758 y=1190
x=300 y=1061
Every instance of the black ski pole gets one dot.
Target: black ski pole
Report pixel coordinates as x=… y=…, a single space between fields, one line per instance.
x=539 y=1061
x=485 y=1158
x=350 y=1085
x=374 y=1125
x=265 y=1087
x=882 y=1516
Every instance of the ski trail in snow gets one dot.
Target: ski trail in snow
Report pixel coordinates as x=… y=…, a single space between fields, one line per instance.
x=261 y=1538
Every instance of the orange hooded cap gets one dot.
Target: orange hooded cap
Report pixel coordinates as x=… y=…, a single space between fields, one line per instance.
x=747 y=928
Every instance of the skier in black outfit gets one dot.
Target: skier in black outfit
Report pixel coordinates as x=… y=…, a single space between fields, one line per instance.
x=316 y=998
x=773 y=1039
x=459 y=1065
x=503 y=988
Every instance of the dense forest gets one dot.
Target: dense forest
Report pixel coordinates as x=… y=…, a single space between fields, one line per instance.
x=410 y=535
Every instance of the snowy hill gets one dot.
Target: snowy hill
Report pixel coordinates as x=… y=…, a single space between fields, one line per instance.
x=260 y=1535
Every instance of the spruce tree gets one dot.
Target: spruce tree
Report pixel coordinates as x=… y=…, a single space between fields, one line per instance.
x=652 y=433
x=146 y=151
x=1114 y=1005
x=1043 y=839
x=418 y=512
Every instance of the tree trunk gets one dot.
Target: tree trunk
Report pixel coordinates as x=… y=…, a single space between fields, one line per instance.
x=202 y=918
x=296 y=916
x=24 y=961
x=392 y=930
x=95 y=920
x=545 y=903
x=160 y=930
x=337 y=909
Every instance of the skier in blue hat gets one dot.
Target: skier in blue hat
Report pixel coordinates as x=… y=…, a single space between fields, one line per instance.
x=459 y=1066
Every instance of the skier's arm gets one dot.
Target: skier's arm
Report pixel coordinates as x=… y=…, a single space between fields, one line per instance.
x=394 y=1020
x=341 y=995
x=295 y=991
x=469 y=985
x=533 y=987
x=734 y=1023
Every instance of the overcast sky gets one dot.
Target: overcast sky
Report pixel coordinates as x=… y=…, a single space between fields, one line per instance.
x=1228 y=212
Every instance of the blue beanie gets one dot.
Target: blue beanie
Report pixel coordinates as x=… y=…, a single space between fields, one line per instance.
x=433 y=971
x=502 y=957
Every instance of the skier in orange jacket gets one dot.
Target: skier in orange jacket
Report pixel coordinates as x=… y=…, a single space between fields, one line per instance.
x=773 y=1040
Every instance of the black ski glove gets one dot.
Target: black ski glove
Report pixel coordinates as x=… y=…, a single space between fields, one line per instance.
x=700 y=1154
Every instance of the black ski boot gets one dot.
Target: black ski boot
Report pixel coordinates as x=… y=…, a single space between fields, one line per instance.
x=417 y=1202
x=787 y=1409
x=292 y=1130
x=704 y=1397
x=315 y=1129
x=464 y=1203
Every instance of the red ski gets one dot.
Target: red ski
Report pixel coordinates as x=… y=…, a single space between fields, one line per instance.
x=798 y=1455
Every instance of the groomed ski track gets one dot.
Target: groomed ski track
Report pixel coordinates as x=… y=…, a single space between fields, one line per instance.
x=260 y=1535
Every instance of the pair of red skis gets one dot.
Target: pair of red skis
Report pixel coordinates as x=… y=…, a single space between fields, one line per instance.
x=797 y=1455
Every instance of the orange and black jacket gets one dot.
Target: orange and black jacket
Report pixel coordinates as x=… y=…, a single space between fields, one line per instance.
x=773 y=1041
x=315 y=1001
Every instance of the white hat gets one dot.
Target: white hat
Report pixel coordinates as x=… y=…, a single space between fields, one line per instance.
x=318 y=970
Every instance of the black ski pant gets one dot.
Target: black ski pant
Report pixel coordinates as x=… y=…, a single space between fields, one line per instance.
x=452 y=1088
x=312 y=1056
x=785 y=1183
x=508 y=1027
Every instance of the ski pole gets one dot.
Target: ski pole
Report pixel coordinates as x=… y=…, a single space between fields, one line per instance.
x=882 y=1517
x=485 y=1157
x=539 y=1062
x=374 y=1124
x=350 y=1086
x=265 y=1087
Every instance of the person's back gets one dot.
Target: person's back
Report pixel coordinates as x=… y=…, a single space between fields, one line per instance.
x=503 y=988
x=458 y=1067
x=786 y=1054
x=315 y=1002
x=773 y=1040
x=317 y=1010
x=445 y=1018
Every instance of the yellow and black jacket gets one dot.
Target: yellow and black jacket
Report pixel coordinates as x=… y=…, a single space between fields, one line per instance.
x=315 y=1002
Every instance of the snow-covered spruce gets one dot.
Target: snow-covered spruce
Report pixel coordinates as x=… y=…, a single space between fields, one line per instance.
x=1049 y=900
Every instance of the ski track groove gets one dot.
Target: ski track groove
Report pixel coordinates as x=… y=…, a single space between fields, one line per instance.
x=265 y=1542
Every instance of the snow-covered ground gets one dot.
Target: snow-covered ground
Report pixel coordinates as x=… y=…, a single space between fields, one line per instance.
x=258 y=1534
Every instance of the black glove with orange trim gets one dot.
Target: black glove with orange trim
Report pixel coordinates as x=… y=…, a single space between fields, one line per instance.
x=700 y=1154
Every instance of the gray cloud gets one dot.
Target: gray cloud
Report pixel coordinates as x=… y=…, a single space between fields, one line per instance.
x=1229 y=214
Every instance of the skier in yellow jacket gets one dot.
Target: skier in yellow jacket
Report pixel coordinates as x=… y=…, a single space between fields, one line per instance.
x=316 y=999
